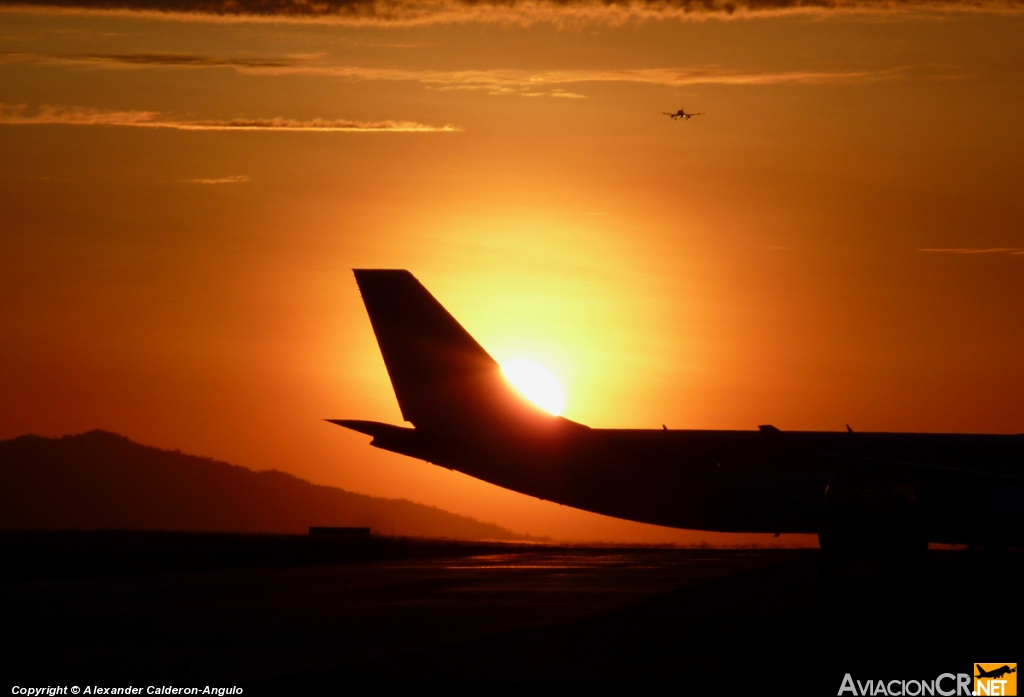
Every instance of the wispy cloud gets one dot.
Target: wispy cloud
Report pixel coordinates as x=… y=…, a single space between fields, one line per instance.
x=530 y=83
x=21 y=114
x=499 y=81
x=161 y=60
x=1016 y=251
x=420 y=12
x=233 y=179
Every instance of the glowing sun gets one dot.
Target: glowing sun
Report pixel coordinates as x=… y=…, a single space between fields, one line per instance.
x=536 y=383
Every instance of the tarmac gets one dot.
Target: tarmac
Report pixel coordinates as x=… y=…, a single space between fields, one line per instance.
x=287 y=614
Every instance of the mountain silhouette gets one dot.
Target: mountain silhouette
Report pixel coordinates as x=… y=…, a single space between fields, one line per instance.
x=100 y=481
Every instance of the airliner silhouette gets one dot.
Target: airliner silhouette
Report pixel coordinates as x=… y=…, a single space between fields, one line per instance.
x=681 y=114
x=994 y=673
x=862 y=493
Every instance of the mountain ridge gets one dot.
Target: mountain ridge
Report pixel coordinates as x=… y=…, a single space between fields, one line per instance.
x=100 y=480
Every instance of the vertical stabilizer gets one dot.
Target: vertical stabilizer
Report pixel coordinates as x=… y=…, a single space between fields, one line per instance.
x=442 y=377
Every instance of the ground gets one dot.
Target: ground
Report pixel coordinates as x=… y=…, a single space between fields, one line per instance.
x=272 y=613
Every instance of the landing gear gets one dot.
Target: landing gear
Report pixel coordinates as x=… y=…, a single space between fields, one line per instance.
x=870 y=516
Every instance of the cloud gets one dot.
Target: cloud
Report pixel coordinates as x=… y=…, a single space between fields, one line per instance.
x=499 y=81
x=530 y=83
x=47 y=114
x=1016 y=251
x=159 y=60
x=233 y=179
x=421 y=12
x=184 y=60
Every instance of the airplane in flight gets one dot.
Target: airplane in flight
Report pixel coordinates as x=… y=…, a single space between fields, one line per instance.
x=681 y=114
x=995 y=673
x=883 y=495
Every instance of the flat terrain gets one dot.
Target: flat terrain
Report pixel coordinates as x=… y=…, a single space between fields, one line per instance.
x=275 y=612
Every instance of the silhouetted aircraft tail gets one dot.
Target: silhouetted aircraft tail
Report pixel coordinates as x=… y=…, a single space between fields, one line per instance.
x=443 y=379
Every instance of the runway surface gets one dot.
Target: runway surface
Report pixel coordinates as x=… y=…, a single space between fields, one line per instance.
x=273 y=614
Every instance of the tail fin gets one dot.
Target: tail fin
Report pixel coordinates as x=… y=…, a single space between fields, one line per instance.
x=442 y=377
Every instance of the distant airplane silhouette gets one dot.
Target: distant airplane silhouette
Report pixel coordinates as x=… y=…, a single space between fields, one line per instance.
x=681 y=114
x=862 y=493
x=995 y=673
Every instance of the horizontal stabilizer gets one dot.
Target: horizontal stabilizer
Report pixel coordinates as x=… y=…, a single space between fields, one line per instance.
x=397 y=439
x=375 y=429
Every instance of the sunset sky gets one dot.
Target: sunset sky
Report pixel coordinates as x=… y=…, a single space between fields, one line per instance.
x=187 y=185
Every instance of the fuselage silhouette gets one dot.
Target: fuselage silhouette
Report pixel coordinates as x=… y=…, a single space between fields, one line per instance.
x=995 y=673
x=895 y=491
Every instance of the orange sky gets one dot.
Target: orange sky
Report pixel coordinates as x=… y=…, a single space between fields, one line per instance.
x=168 y=275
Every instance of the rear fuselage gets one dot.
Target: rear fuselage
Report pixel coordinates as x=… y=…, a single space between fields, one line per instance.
x=746 y=481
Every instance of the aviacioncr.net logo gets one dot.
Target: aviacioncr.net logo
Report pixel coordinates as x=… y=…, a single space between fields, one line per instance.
x=945 y=685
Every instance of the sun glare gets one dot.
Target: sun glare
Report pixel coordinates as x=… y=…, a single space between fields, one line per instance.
x=536 y=383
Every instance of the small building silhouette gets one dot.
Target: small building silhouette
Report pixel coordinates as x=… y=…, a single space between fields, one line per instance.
x=338 y=533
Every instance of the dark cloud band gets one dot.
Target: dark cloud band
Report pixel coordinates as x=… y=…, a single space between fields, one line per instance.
x=403 y=12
